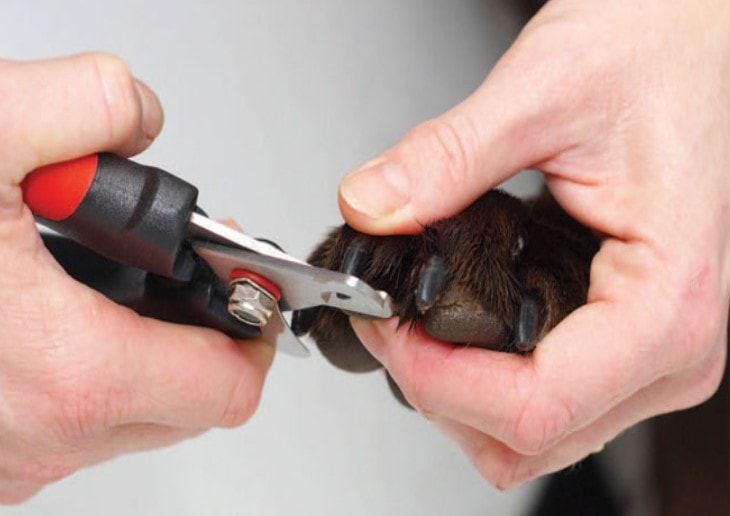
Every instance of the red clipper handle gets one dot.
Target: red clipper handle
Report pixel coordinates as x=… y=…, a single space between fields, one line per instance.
x=130 y=213
x=55 y=192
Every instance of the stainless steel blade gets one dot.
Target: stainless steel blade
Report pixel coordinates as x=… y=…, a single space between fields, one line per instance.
x=278 y=333
x=302 y=285
x=204 y=228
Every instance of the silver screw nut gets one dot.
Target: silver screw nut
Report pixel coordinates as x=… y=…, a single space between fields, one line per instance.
x=249 y=303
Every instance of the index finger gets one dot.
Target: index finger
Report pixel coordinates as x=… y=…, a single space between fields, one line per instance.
x=59 y=109
x=597 y=357
x=526 y=402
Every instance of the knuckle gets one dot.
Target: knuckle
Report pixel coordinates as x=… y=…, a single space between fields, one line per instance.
x=444 y=145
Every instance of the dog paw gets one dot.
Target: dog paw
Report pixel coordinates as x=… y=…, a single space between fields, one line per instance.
x=499 y=276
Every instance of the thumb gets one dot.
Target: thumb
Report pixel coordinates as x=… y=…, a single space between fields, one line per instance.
x=63 y=108
x=446 y=163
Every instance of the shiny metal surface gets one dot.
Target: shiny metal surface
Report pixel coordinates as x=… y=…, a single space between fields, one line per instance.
x=204 y=228
x=302 y=285
x=250 y=303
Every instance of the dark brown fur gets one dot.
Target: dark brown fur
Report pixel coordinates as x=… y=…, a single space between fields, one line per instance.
x=488 y=276
x=496 y=253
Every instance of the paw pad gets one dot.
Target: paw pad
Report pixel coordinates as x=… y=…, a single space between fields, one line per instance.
x=499 y=275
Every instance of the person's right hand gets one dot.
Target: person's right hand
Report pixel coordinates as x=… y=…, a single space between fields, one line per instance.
x=81 y=378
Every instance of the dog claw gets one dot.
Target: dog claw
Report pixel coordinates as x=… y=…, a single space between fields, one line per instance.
x=528 y=319
x=302 y=320
x=431 y=282
x=356 y=257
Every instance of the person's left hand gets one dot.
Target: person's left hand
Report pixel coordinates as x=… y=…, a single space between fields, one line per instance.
x=625 y=107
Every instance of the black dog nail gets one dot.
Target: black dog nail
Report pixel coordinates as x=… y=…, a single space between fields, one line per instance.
x=527 y=321
x=356 y=257
x=431 y=282
x=302 y=320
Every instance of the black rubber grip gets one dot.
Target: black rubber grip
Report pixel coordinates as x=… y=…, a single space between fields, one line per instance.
x=197 y=301
x=137 y=215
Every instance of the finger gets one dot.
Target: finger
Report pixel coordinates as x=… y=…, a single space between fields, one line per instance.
x=506 y=468
x=69 y=107
x=125 y=368
x=190 y=377
x=506 y=396
x=530 y=403
x=446 y=163
x=131 y=369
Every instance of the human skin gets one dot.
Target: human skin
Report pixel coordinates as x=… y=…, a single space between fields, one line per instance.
x=625 y=107
x=81 y=378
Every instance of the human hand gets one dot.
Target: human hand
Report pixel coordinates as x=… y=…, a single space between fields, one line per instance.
x=625 y=107
x=81 y=378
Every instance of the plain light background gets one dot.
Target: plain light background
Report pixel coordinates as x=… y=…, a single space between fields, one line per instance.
x=268 y=104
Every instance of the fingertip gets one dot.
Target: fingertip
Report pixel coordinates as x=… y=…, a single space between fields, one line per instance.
x=153 y=116
x=432 y=173
x=373 y=335
x=133 y=111
x=72 y=106
x=135 y=126
x=375 y=199
x=120 y=105
x=377 y=190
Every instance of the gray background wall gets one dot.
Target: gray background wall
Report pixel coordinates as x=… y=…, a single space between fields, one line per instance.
x=268 y=104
